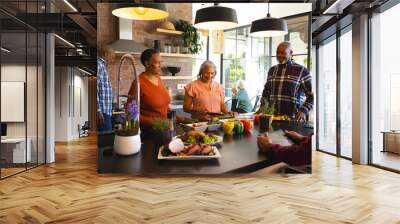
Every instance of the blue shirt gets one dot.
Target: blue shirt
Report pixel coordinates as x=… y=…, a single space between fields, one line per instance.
x=243 y=101
x=104 y=88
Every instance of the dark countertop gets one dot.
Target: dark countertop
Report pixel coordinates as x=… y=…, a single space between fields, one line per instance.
x=239 y=154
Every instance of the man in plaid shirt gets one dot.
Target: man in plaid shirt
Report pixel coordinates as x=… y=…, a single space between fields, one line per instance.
x=104 y=96
x=286 y=85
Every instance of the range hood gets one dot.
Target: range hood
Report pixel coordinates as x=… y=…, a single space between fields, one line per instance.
x=125 y=43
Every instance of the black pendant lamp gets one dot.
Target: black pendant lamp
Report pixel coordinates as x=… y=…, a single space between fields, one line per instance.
x=215 y=18
x=268 y=27
x=141 y=11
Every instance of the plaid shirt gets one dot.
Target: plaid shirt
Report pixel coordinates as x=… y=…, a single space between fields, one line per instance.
x=104 y=89
x=287 y=85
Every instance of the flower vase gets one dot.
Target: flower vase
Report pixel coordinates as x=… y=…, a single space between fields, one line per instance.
x=265 y=123
x=127 y=145
x=163 y=137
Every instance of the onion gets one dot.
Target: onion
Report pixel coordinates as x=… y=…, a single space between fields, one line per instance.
x=176 y=146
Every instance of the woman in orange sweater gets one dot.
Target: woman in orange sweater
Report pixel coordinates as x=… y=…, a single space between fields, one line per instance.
x=154 y=97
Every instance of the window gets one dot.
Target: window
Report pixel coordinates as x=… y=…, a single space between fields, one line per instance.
x=327 y=96
x=22 y=65
x=250 y=58
x=385 y=87
x=244 y=59
x=346 y=94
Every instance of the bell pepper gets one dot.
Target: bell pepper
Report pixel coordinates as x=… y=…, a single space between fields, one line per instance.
x=248 y=125
x=238 y=128
x=228 y=127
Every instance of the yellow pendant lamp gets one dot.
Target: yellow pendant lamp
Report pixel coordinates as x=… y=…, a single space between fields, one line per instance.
x=139 y=11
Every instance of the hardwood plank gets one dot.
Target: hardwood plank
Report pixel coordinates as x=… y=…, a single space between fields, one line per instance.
x=71 y=191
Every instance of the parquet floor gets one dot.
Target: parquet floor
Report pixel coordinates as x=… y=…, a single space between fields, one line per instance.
x=70 y=191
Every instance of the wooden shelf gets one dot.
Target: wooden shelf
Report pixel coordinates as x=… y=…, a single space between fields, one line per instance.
x=176 y=55
x=176 y=77
x=170 y=32
x=162 y=54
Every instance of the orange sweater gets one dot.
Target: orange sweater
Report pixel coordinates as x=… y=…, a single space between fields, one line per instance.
x=154 y=100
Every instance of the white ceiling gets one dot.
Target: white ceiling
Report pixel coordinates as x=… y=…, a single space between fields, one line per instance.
x=248 y=12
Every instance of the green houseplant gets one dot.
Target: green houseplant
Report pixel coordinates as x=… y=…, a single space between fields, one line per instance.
x=190 y=36
x=266 y=116
x=161 y=129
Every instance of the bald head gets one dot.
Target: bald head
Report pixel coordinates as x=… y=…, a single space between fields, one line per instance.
x=284 y=52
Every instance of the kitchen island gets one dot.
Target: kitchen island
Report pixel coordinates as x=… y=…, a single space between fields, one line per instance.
x=239 y=154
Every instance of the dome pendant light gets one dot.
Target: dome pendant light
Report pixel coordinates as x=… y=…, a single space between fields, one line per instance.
x=268 y=27
x=215 y=18
x=139 y=11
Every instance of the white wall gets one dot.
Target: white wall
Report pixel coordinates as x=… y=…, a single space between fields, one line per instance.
x=33 y=127
x=71 y=102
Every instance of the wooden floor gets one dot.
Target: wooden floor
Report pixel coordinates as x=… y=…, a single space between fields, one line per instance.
x=70 y=191
x=386 y=159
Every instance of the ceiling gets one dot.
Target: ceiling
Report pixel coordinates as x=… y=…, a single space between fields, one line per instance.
x=77 y=21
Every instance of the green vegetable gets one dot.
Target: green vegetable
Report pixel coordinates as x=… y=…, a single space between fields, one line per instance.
x=208 y=139
x=191 y=140
x=239 y=128
x=188 y=121
x=160 y=124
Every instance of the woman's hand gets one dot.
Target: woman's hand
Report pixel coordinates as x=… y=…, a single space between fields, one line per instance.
x=233 y=113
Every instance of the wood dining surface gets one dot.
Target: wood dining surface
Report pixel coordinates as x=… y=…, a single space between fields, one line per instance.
x=239 y=154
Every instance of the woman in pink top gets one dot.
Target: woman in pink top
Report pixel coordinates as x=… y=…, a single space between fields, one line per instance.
x=204 y=95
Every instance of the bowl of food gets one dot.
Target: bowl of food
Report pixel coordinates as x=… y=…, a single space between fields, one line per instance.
x=199 y=126
x=213 y=125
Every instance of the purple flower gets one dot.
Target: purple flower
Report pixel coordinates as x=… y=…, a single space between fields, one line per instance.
x=120 y=118
x=132 y=110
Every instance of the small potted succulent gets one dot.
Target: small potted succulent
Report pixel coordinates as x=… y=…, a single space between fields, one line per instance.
x=266 y=116
x=127 y=138
x=161 y=127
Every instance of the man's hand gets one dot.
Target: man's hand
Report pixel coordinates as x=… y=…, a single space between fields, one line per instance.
x=100 y=119
x=295 y=136
x=300 y=117
x=263 y=142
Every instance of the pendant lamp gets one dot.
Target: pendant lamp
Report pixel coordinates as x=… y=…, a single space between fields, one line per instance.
x=215 y=18
x=141 y=11
x=268 y=27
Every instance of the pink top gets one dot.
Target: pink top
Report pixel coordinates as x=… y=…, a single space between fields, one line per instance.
x=204 y=98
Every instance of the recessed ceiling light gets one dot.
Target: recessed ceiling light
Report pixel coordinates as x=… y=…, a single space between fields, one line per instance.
x=5 y=49
x=70 y=5
x=65 y=41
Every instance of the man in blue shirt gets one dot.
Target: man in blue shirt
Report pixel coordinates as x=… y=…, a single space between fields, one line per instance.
x=104 y=95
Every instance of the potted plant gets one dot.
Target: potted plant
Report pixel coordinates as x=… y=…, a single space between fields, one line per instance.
x=190 y=36
x=266 y=116
x=127 y=138
x=161 y=129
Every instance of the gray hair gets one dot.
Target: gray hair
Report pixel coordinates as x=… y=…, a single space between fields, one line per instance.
x=240 y=84
x=205 y=65
x=286 y=44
